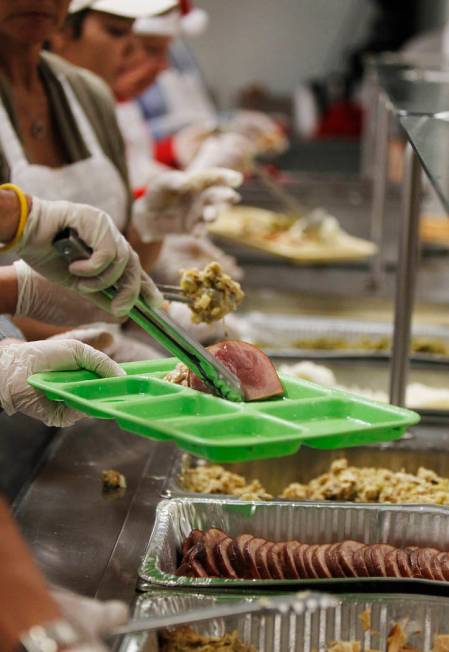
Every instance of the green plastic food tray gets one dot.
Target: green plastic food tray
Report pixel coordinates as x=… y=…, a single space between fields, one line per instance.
x=221 y=431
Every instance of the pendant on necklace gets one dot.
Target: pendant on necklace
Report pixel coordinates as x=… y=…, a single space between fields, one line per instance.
x=38 y=130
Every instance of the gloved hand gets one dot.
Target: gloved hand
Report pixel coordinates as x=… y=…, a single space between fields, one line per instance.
x=188 y=140
x=93 y=619
x=51 y=303
x=19 y=361
x=183 y=252
x=178 y=201
x=228 y=150
x=261 y=130
x=112 y=260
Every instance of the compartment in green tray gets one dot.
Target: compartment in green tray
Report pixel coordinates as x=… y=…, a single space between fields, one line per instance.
x=172 y=408
x=125 y=388
x=210 y=427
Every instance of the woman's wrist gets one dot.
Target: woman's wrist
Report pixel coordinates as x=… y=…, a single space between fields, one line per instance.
x=10 y=214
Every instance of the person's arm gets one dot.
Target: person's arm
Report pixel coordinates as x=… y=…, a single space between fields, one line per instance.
x=8 y=290
x=9 y=214
x=148 y=252
x=24 y=597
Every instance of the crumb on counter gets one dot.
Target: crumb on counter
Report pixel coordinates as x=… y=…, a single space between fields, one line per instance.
x=213 y=294
x=113 y=480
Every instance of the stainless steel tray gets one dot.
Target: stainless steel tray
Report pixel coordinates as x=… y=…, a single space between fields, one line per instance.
x=397 y=525
x=281 y=332
x=426 y=617
x=308 y=463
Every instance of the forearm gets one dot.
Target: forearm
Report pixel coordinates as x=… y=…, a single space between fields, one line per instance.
x=8 y=290
x=148 y=251
x=9 y=214
x=24 y=595
x=35 y=330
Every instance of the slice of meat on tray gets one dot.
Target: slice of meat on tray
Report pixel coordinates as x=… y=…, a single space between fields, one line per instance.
x=299 y=559
x=207 y=552
x=240 y=564
x=404 y=563
x=425 y=562
x=443 y=560
x=191 y=566
x=289 y=564
x=391 y=564
x=257 y=375
x=191 y=540
x=345 y=557
x=378 y=553
x=262 y=560
x=250 y=552
x=319 y=561
x=359 y=562
x=275 y=558
x=308 y=562
x=332 y=561
x=224 y=558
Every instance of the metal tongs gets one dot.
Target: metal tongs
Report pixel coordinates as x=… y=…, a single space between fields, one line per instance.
x=298 y=603
x=159 y=325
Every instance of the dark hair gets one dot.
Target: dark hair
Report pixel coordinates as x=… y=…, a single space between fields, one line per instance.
x=75 y=22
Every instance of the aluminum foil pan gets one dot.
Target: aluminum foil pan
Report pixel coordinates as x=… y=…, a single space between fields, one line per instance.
x=309 y=463
x=284 y=331
x=397 y=525
x=423 y=619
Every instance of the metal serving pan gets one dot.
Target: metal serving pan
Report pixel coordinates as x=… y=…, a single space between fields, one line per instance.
x=309 y=631
x=397 y=525
x=282 y=333
x=308 y=463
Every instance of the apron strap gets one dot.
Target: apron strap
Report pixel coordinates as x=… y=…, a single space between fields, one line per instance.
x=86 y=130
x=11 y=146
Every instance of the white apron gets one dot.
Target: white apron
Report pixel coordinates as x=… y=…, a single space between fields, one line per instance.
x=94 y=180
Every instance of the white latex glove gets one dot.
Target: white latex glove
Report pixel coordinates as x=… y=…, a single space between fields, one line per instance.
x=228 y=150
x=19 y=361
x=263 y=132
x=188 y=140
x=110 y=339
x=50 y=303
x=112 y=260
x=182 y=252
x=93 y=619
x=179 y=201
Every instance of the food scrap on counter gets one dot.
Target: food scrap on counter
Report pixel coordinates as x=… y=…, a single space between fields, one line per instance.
x=215 y=554
x=113 y=480
x=212 y=293
x=340 y=482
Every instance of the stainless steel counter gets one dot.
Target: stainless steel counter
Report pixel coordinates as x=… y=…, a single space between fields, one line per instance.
x=93 y=544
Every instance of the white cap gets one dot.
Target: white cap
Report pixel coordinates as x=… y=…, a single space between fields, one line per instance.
x=182 y=19
x=125 y=8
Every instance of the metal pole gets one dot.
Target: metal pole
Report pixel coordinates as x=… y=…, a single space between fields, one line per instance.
x=406 y=276
x=380 y=187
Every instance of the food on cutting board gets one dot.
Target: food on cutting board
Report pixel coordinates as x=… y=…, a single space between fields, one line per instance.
x=418 y=395
x=186 y=639
x=340 y=482
x=215 y=554
x=253 y=368
x=212 y=293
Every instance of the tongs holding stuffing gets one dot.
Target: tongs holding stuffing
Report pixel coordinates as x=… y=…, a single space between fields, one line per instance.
x=298 y=603
x=159 y=325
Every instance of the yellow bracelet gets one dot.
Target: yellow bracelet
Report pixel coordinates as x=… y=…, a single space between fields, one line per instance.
x=23 y=216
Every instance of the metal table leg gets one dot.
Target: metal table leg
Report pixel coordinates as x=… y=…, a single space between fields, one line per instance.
x=406 y=276
x=380 y=187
